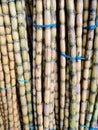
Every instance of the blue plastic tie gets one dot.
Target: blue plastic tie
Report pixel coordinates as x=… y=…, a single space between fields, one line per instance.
x=6 y=88
x=24 y=81
x=73 y=58
x=92 y=27
x=32 y=127
x=41 y=26
x=88 y=127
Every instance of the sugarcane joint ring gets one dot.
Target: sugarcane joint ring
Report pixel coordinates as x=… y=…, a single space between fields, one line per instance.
x=11 y=1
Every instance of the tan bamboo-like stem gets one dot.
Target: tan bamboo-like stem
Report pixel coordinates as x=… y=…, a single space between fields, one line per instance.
x=11 y=62
x=67 y=100
x=39 y=38
x=1 y=114
x=6 y=69
x=19 y=66
x=1 y=117
x=85 y=23
x=87 y=63
x=47 y=84
x=72 y=63
x=25 y=59
x=3 y=95
x=62 y=60
x=34 y=65
x=94 y=74
x=53 y=61
x=95 y=113
x=79 y=11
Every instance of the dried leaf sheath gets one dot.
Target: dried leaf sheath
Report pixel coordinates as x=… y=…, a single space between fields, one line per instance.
x=47 y=84
x=72 y=64
x=38 y=59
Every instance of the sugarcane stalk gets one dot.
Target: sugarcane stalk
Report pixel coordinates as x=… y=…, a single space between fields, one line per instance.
x=62 y=60
x=19 y=65
x=11 y=62
x=85 y=23
x=87 y=62
x=1 y=117
x=72 y=64
x=1 y=113
x=39 y=38
x=93 y=87
x=3 y=95
x=95 y=114
x=67 y=100
x=79 y=11
x=25 y=59
x=53 y=61
x=47 y=84
x=34 y=65
x=6 y=69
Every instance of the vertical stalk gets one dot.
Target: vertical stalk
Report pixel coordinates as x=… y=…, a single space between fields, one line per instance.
x=87 y=63
x=72 y=63
x=53 y=61
x=62 y=60
x=11 y=62
x=34 y=65
x=38 y=74
x=19 y=65
x=79 y=11
x=6 y=69
x=94 y=74
x=25 y=59
x=47 y=84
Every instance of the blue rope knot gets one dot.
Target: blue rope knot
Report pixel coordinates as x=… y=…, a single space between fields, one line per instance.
x=73 y=58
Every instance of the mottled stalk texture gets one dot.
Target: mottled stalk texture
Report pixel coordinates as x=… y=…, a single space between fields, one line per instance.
x=47 y=83
x=87 y=63
x=72 y=63
x=38 y=60
x=62 y=61
x=79 y=13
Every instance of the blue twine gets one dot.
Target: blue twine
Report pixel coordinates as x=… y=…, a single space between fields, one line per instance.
x=41 y=26
x=24 y=81
x=32 y=127
x=73 y=58
x=88 y=127
x=6 y=88
x=92 y=27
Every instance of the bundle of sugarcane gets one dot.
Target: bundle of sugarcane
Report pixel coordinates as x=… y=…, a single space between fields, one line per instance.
x=22 y=63
x=6 y=69
x=87 y=63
